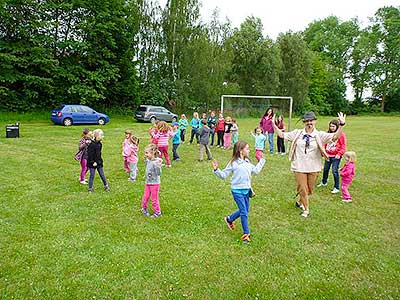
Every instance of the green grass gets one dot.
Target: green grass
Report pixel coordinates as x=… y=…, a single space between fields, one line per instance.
x=59 y=242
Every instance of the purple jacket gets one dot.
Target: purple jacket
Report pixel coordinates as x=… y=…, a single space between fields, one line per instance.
x=266 y=124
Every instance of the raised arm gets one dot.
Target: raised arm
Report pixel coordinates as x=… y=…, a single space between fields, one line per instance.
x=342 y=122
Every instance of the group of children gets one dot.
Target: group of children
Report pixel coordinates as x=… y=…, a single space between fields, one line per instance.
x=239 y=165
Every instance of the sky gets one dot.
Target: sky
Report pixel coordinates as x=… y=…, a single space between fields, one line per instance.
x=280 y=16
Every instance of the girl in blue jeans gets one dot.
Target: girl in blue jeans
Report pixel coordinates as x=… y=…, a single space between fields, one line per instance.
x=241 y=170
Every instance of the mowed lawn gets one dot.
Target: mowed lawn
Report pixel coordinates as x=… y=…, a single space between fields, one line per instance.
x=57 y=241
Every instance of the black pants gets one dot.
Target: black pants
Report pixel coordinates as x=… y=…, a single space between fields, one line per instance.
x=183 y=131
x=175 y=154
x=195 y=132
x=220 y=135
x=281 y=145
x=212 y=134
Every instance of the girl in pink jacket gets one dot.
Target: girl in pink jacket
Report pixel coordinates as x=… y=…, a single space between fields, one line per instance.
x=347 y=174
x=130 y=152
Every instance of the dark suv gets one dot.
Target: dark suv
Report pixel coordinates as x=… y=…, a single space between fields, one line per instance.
x=149 y=113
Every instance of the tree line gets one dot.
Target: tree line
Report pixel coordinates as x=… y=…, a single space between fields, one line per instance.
x=122 y=53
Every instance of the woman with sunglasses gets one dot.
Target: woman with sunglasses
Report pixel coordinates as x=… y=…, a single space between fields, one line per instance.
x=305 y=154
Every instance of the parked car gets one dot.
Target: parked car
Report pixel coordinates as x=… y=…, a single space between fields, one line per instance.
x=69 y=114
x=150 y=113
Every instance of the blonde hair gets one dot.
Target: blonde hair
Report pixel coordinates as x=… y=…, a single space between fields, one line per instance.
x=134 y=140
x=228 y=119
x=153 y=149
x=163 y=126
x=196 y=115
x=128 y=132
x=98 y=134
x=351 y=155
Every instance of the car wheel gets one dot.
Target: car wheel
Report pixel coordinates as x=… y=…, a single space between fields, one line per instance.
x=174 y=119
x=153 y=120
x=101 y=121
x=67 y=122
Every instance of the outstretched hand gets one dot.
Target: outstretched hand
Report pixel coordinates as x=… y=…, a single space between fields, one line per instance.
x=263 y=156
x=214 y=163
x=342 y=118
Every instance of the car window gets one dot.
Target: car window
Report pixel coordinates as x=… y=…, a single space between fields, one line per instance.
x=85 y=109
x=156 y=109
x=68 y=109
x=142 y=108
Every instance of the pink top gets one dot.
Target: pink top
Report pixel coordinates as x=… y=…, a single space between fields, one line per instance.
x=266 y=124
x=163 y=137
x=130 y=152
x=348 y=171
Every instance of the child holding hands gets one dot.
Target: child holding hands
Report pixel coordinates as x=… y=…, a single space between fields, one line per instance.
x=241 y=170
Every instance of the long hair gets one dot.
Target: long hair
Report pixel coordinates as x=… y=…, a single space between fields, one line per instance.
x=134 y=140
x=239 y=146
x=334 y=122
x=266 y=112
x=163 y=126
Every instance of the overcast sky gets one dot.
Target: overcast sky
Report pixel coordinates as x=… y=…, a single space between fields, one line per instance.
x=284 y=15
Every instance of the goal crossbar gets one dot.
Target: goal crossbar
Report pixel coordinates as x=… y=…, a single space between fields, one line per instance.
x=261 y=97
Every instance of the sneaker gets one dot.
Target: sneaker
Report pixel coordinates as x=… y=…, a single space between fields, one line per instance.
x=305 y=213
x=83 y=182
x=145 y=212
x=155 y=215
x=245 y=238
x=335 y=191
x=231 y=225
x=168 y=166
x=298 y=205
x=347 y=200
x=131 y=179
x=322 y=184
x=90 y=190
x=107 y=188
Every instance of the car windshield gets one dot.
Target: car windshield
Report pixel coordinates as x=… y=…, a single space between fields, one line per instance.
x=142 y=108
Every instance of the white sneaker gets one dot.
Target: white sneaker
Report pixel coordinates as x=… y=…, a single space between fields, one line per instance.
x=83 y=182
x=322 y=184
x=305 y=213
x=335 y=191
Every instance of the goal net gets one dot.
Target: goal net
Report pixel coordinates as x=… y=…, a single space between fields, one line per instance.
x=242 y=106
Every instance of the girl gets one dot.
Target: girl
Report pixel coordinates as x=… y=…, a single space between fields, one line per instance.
x=267 y=127
x=152 y=186
x=235 y=131
x=227 y=133
x=95 y=160
x=335 y=151
x=195 y=124
x=260 y=142
x=347 y=174
x=82 y=155
x=130 y=152
x=219 y=128
x=280 y=142
x=241 y=170
x=152 y=132
x=212 y=122
x=125 y=144
x=183 y=124
x=163 y=133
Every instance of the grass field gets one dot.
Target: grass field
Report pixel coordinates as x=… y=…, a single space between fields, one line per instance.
x=57 y=241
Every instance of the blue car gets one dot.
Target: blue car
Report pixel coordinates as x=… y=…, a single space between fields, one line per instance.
x=68 y=114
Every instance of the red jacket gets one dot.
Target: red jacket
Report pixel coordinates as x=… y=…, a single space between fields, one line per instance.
x=337 y=147
x=220 y=125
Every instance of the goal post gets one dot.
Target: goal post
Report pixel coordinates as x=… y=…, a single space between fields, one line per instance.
x=259 y=104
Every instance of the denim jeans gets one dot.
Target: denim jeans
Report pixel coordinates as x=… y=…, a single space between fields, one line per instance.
x=334 y=162
x=271 y=142
x=175 y=154
x=243 y=203
x=102 y=176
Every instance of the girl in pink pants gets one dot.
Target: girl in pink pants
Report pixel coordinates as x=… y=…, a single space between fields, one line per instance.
x=347 y=174
x=152 y=186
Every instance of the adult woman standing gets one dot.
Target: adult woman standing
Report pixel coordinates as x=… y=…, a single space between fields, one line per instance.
x=305 y=154
x=268 y=129
x=335 y=151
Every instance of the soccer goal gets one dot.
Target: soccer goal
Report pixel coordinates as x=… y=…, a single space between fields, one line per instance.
x=255 y=106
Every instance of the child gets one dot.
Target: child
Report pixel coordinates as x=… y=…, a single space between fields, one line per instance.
x=95 y=160
x=152 y=132
x=204 y=134
x=241 y=170
x=82 y=155
x=130 y=152
x=212 y=122
x=347 y=174
x=195 y=124
x=183 y=124
x=163 y=133
x=220 y=127
x=227 y=133
x=176 y=140
x=125 y=144
x=235 y=132
x=280 y=142
x=260 y=142
x=152 y=186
